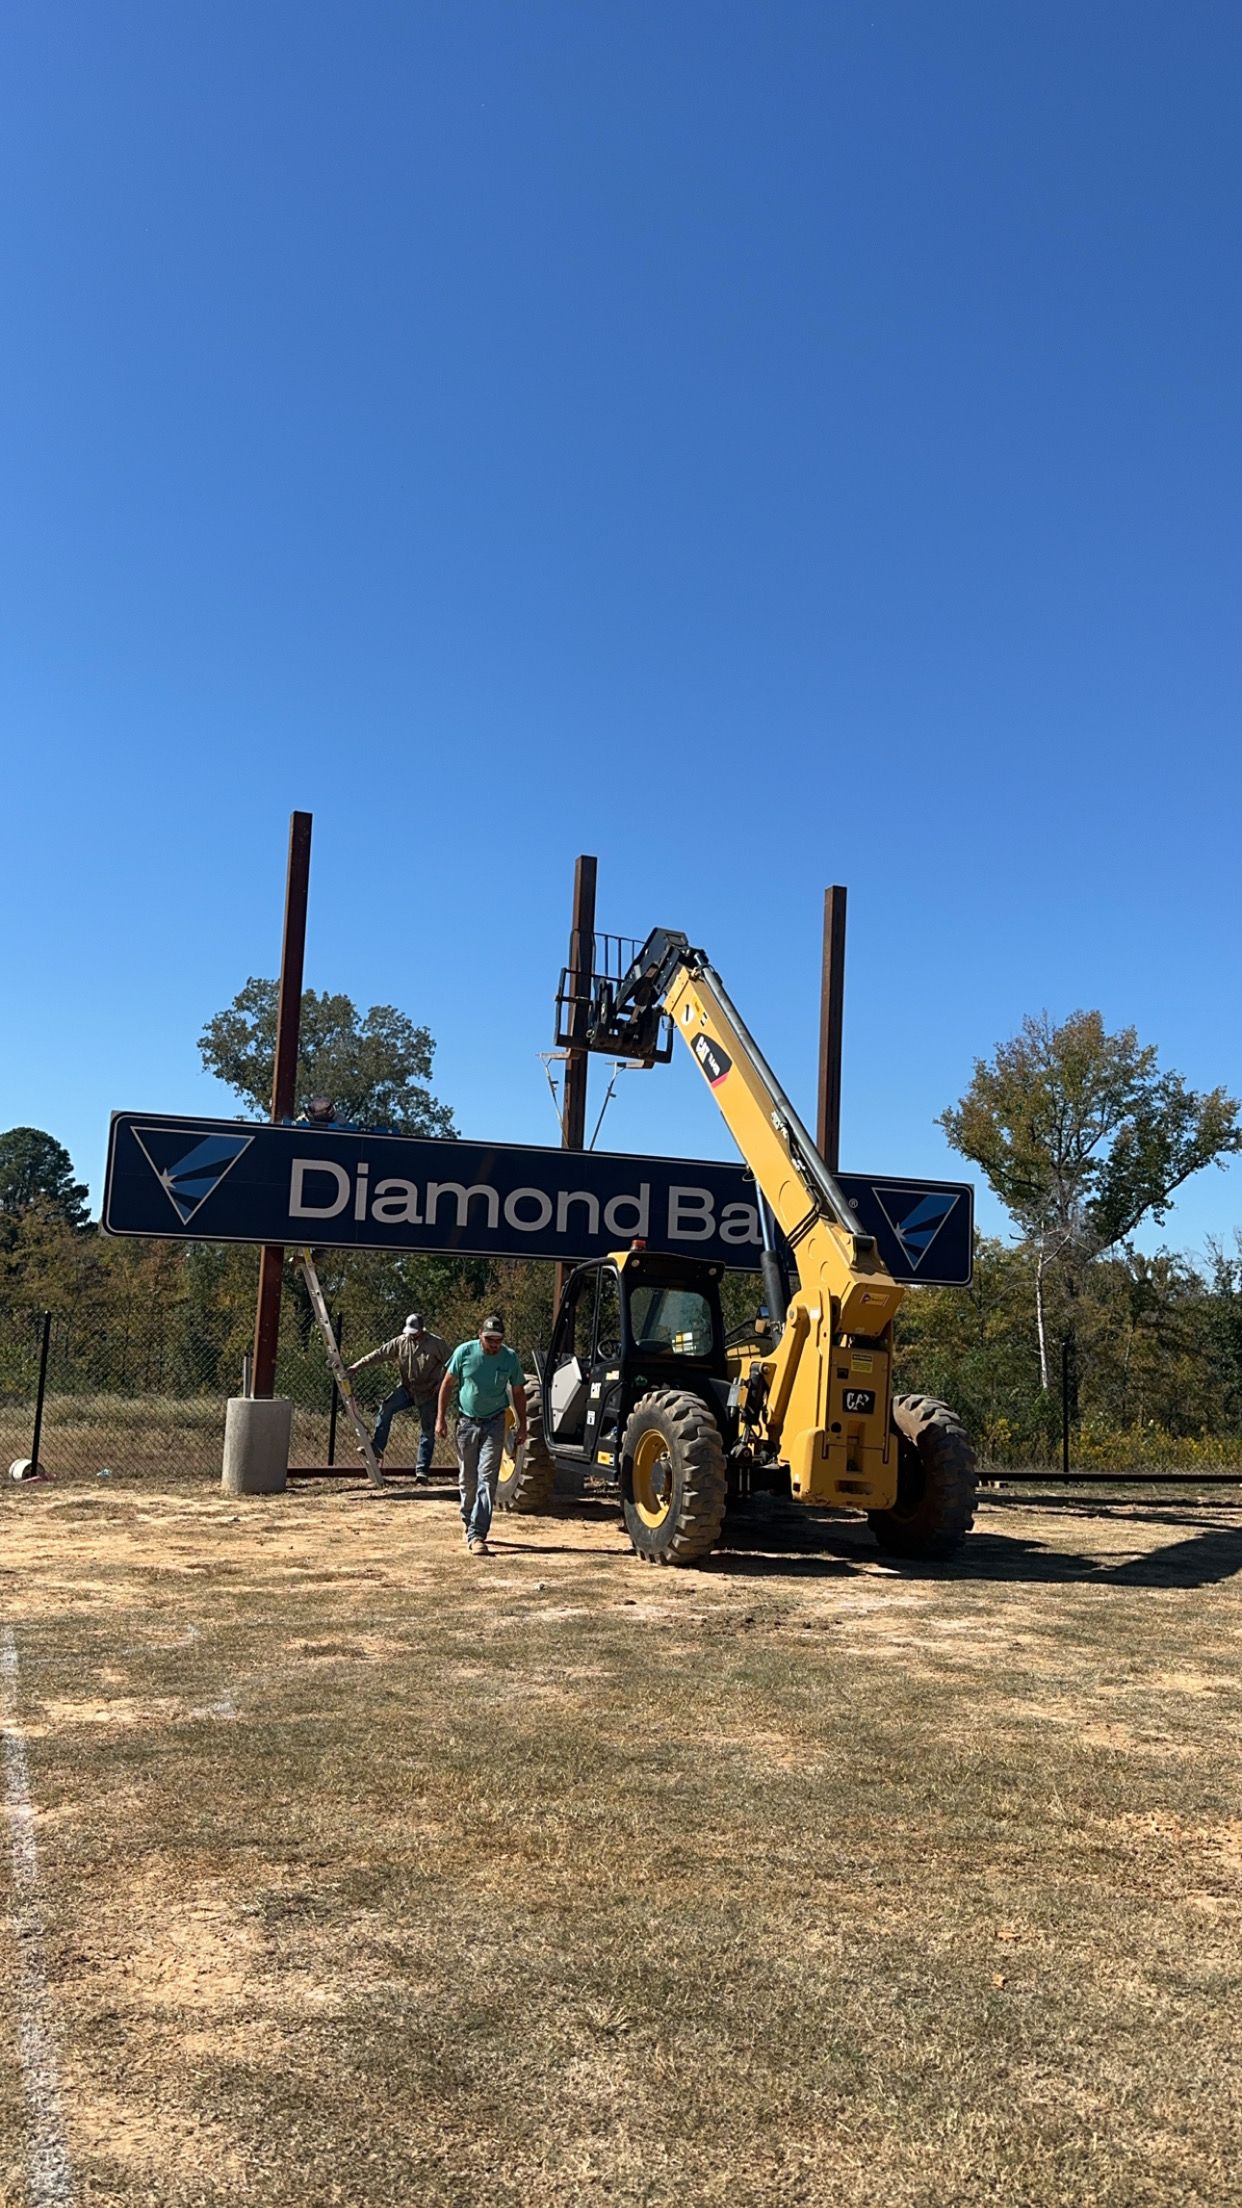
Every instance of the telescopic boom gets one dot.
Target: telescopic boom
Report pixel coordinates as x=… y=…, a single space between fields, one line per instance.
x=826 y=1389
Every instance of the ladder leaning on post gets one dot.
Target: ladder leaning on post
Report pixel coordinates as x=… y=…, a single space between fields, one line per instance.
x=339 y=1374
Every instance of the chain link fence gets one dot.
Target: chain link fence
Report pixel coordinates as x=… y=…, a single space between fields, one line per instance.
x=146 y=1398
x=143 y=1396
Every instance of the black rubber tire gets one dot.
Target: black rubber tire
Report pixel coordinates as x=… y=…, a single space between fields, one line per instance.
x=937 y=1480
x=696 y=1470
x=526 y=1481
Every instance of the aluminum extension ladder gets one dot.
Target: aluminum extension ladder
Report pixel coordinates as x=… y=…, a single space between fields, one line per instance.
x=339 y=1374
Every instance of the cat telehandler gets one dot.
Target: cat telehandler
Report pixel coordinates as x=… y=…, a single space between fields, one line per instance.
x=639 y=1383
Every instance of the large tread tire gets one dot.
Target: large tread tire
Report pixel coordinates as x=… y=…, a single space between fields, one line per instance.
x=937 y=1481
x=528 y=1479
x=673 y=1443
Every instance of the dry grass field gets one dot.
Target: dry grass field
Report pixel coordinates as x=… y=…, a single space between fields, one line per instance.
x=372 y=1873
x=137 y=1437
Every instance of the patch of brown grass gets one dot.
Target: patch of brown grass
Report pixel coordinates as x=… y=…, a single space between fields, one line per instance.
x=376 y=1873
x=169 y=1440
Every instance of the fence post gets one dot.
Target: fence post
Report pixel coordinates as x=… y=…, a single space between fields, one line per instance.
x=1065 y=1405
x=338 y=1329
x=41 y=1390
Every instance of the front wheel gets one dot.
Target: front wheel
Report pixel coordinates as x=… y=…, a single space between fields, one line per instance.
x=674 y=1481
x=527 y=1475
x=937 y=1480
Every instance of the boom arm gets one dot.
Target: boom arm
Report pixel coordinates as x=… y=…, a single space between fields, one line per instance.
x=806 y=1199
x=828 y=1383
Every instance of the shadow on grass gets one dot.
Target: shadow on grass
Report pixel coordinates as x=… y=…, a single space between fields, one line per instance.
x=1146 y=1510
x=1202 y=1560
x=785 y=1543
x=776 y=1540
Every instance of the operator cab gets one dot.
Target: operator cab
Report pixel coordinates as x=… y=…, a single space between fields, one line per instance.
x=628 y=1323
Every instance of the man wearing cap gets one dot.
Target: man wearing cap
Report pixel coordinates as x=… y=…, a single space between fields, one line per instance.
x=487 y=1374
x=420 y=1358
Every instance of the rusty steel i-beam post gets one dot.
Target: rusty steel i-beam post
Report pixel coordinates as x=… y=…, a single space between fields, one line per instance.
x=284 y=1086
x=581 y=962
x=831 y=1024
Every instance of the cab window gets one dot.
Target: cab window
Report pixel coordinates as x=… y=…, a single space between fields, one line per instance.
x=573 y=1334
x=608 y=1317
x=671 y=1322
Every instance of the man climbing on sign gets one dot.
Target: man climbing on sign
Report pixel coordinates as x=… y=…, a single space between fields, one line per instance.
x=487 y=1373
x=420 y=1358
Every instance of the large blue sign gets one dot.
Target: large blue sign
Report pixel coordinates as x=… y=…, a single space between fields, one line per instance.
x=221 y=1180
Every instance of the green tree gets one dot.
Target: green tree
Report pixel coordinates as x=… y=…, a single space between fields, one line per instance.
x=1224 y=1317
x=375 y=1064
x=1082 y=1136
x=973 y=1348
x=36 y=1169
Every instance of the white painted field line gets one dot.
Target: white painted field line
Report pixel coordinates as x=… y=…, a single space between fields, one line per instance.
x=51 y=2179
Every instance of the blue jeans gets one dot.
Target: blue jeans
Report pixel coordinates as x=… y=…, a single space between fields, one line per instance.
x=400 y=1400
x=480 y=1445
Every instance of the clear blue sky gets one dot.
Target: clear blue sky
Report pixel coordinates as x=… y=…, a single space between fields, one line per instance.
x=763 y=445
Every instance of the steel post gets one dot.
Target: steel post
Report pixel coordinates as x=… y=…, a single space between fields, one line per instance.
x=581 y=964
x=831 y=1023
x=41 y=1390
x=284 y=1086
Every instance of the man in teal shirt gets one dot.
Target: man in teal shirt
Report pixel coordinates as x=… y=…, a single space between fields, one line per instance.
x=485 y=1373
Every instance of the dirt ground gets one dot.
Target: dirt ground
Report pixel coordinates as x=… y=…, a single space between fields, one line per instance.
x=364 y=1871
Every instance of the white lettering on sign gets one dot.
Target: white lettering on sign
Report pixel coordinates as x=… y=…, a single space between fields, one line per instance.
x=534 y=1196
x=577 y=1196
x=691 y=1214
x=321 y=1189
x=739 y=1224
x=301 y=1170
x=396 y=1203
x=464 y=1197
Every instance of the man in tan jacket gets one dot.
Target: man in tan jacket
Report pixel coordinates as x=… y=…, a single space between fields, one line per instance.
x=420 y=1357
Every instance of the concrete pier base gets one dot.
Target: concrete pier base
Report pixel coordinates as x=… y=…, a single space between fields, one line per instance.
x=256 y=1445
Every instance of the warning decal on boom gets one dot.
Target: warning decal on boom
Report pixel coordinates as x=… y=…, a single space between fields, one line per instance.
x=714 y=1061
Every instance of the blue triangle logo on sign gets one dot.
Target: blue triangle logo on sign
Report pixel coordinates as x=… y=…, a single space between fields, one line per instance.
x=188 y=1177
x=916 y=1220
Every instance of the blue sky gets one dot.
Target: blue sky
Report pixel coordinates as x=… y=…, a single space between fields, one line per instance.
x=763 y=445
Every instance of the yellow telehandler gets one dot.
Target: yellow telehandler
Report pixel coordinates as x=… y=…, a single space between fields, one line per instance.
x=638 y=1382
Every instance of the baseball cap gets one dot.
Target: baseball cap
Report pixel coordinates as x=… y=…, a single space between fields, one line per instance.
x=493 y=1325
x=414 y=1324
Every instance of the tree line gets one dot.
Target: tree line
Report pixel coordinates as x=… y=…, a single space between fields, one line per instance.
x=1082 y=1135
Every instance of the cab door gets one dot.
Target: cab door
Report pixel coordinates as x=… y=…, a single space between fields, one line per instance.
x=568 y=1365
x=599 y=1436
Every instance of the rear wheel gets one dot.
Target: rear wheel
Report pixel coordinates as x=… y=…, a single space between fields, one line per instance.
x=527 y=1475
x=937 y=1479
x=673 y=1478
